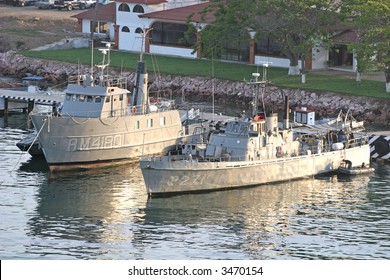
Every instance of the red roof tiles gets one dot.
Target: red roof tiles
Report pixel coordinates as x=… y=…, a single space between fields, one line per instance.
x=181 y=14
x=146 y=2
x=103 y=13
x=345 y=37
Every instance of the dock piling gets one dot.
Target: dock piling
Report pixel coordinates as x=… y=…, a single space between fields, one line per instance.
x=30 y=106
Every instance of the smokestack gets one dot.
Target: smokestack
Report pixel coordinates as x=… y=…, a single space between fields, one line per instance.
x=140 y=95
x=286 y=121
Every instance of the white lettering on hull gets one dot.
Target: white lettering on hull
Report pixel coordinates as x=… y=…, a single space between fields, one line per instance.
x=187 y=180
x=95 y=143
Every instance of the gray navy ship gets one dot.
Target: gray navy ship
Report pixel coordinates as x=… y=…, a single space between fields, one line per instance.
x=252 y=151
x=102 y=123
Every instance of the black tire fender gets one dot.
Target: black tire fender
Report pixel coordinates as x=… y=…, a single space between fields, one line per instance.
x=382 y=147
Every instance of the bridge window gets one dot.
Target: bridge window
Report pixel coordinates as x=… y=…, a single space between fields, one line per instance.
x=162 y=121
x=121 y=97
x=138 y=9
x=72 y=97
x=107 y=99
x=149 y=123
x=139 y=30
x=89 y=98
x=125 y=29
x=124 y=8
x=137 y=125
x=98 y=99
x=82 y=98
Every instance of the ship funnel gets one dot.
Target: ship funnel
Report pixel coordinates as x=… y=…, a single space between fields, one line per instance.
x=272 y=123
x=140 y=95
x=286 y=120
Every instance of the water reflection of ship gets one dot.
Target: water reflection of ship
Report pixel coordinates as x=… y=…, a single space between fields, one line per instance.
x=34 y=164
x=271 y=198
x=256 y=216
x=82 y=209
x=107 y=213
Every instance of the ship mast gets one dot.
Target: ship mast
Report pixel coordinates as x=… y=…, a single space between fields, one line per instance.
x=140 y=95
x=257 y=84
x=104 y=64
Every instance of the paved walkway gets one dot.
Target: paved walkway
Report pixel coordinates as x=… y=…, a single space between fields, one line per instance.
x=374 y=76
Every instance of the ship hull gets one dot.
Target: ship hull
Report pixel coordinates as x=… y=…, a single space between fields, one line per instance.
x=164 y=177
x=83 y=143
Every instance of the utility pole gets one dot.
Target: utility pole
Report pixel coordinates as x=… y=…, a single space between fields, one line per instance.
x=94 y=23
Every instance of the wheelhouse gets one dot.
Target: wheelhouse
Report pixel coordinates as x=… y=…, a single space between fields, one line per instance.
x=96 y=102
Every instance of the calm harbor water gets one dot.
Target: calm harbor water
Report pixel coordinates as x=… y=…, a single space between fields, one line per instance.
x=106 y=214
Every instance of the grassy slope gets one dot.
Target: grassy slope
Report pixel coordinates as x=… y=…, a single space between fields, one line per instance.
x=222 y=70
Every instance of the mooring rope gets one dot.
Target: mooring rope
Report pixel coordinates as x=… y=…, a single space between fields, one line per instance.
x=36 y=137
x=21 y=154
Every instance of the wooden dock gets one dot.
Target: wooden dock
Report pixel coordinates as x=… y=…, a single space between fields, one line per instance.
x=29 y=98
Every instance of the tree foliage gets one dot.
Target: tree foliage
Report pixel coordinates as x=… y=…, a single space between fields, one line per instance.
x=371 y=22
x=230 y=27
x=296 y=25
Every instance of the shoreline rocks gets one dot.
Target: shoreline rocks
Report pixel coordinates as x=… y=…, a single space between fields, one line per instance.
x=374 y=111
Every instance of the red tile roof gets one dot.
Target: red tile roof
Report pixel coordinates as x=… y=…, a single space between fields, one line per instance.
x=146 y=2
x=181 y=14
x=104 y=13
x=345 y=37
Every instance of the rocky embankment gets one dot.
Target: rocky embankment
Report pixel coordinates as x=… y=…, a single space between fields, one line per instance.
x=373 y=111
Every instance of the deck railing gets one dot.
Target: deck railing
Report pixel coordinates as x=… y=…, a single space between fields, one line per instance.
x=302 y=151
x=121 y=112
x=105 y=81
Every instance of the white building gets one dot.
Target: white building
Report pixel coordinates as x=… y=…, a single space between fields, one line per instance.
x=157 y=26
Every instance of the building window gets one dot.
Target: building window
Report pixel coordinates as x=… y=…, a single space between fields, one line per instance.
x=125 y=29
x=267 y=46
x=235 y=52
x=102 y=27
x=94 y=26
x=237 y=49
x=138 y=9
x=139 y=30
x=339 y=55
x=124 y=8
x=99 y=27
x=171 y=34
